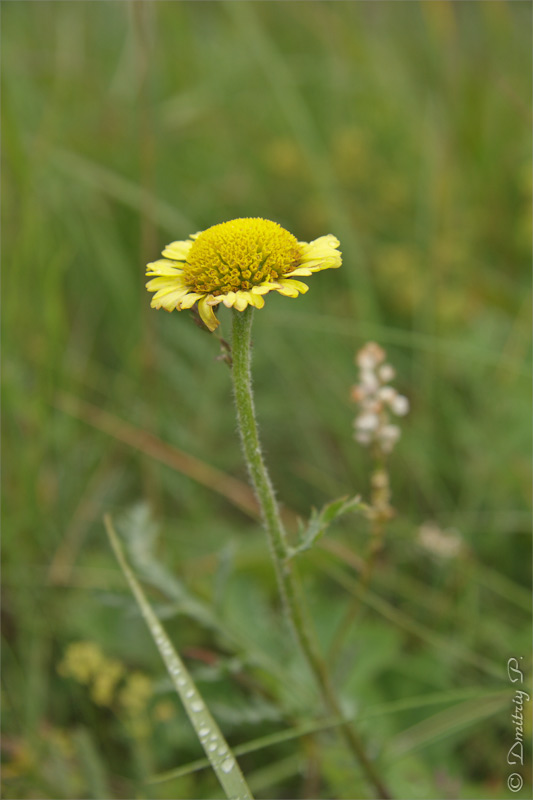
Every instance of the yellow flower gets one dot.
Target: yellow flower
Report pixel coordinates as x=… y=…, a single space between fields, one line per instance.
x=105 y=682
x=236 y=263
x=136 y=693
x=81 y=661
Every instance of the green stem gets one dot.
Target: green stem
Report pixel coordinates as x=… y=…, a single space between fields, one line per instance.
x=287 y=580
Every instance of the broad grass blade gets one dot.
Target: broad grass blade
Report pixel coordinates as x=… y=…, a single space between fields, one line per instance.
x=215 y=746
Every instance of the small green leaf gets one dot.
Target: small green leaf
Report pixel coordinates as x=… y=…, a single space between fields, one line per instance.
x=320 y=521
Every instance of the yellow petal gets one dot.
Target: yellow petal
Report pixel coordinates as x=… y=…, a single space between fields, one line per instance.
x=169 y=301
x=207 y=314
x=163 y=267
x=256 y=300
x=252 y=299
x=241 y=301
x=165 y=285
x=174 y=292
x=288 y=291
x=264 y=288
x=159 y=283
x=228 y=299
x=214 y=301
x=293 y=288
x=326 y=262
x=177 y=250
x=190 y=299
x=299 y=271
x=323 y=241
x=321 y=253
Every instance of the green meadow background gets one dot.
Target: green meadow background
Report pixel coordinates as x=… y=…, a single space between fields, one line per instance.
x=402 y=128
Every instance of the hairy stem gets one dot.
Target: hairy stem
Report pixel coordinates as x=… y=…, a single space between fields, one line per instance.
x=287 y=579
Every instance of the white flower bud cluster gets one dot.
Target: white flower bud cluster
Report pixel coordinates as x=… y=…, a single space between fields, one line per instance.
x=377 y=400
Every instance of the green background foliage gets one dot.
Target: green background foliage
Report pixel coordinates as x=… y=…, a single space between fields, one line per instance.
x=404 y=129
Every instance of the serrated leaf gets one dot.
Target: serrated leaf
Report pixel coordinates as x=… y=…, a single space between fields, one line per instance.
x=320 y=521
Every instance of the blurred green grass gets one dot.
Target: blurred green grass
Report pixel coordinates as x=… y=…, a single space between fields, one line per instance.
x=403 y=129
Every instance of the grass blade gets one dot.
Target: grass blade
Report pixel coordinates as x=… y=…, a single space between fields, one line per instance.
x=215 y=746
x=446 y=723
x=317 y=726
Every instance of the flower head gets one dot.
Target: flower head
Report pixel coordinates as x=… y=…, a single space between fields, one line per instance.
x=236 y=263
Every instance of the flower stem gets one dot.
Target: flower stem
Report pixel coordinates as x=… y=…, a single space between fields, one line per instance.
x=380 y=512
x=286 y=576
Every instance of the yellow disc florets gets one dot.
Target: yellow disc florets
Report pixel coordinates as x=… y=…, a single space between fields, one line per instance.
x=238 y=255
